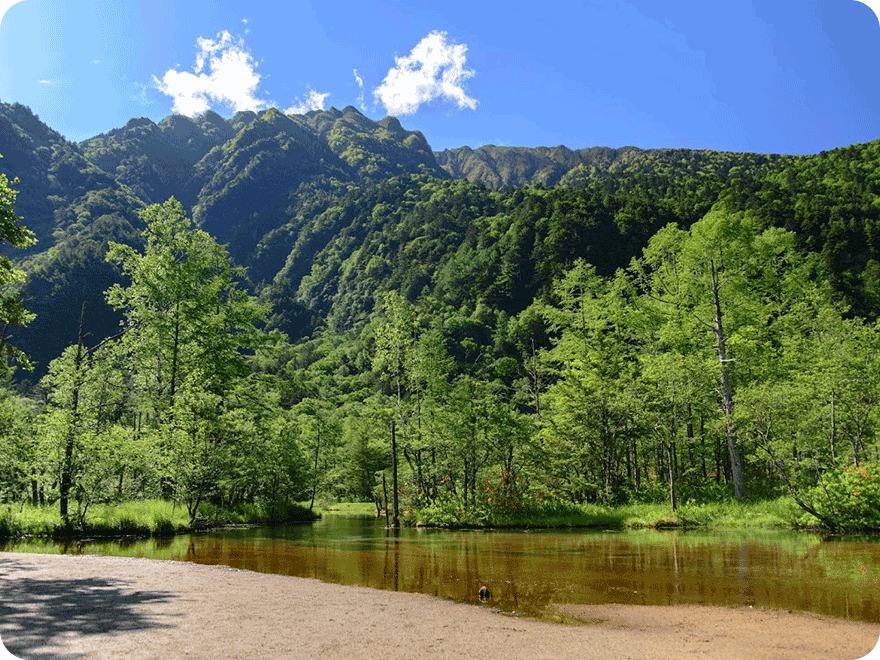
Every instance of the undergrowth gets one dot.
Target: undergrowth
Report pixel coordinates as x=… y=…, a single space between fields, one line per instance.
x=138 y=518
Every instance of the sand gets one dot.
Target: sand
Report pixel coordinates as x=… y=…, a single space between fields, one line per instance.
x=62 y=606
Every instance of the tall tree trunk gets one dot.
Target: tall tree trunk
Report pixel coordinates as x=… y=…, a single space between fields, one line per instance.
x=385 y=496
x=175 y=350
x=395 y=518
x=727 y=392
x=833 y=433
x=535 y=377
x=67 y=466
x=638 y=471
x=315 y=473
x=629 y=469
x=670 y=449
x=467 y=478
x=689 y=441
x=703 y=449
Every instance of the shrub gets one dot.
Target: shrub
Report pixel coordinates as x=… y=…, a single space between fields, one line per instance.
x=448 y=511
x=851 y=496
x=9 y=524
x=508 y=495
x=164 y=527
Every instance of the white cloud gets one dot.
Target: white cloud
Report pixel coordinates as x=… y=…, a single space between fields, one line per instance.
x=360 y=84
x=314 y=101
x=45 y=82
x=434 y=69
x=225 y=73
x=96 y=61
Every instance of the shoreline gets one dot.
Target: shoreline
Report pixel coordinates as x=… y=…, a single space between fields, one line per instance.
x=157 y=519
x=62 y=606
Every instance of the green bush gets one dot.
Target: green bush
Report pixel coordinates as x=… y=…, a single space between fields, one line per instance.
x=9 y=524
x=447 y=511
x=850 y=496
x=164 y=527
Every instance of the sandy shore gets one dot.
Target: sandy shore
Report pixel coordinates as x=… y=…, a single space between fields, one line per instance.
x=108 y=607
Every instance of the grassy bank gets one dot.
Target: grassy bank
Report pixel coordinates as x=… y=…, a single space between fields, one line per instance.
x=163 y=518
x=139 y=518
x=780 y=513
x=357 y=509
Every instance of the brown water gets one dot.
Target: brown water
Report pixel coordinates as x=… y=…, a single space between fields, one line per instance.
x=528 y=570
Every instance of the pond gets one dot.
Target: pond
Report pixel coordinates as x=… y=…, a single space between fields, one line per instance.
x=526 y=571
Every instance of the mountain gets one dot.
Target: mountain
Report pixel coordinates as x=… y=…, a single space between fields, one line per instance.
x=50 y=170
x=190 y=159
x=514 y=167
x=329 y=209
x=373 y=150
x=156 y=160
x=241 y=178
x=74 y=208
x=249 y=180
x=506 y=167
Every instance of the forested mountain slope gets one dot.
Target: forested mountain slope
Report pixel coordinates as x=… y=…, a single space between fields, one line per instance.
x=240 y=179
x=505 y=167
x=156 y=161
x=52 y=172
x=74 y=208
x=328 y=209
x=515 y=167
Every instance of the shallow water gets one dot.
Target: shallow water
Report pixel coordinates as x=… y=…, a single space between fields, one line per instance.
x=528 y=570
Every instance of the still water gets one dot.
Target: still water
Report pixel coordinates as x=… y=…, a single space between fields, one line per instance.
x=527 y=571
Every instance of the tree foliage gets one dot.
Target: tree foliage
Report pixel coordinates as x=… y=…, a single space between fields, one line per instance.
x=12 y=312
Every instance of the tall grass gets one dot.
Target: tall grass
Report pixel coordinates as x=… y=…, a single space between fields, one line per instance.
x=139 y=518
x=164 y=518
x=769 y=514
x=551 y=514
x=334 y=508
x=777 y=513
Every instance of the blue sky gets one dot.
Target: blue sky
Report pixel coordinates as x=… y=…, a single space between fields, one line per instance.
x=763 y=75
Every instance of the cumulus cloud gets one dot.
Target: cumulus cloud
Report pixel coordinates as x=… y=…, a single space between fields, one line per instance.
x=314 y=101
x=45 y=82
x=434 y=69
x=225 y=73
x=360 y=84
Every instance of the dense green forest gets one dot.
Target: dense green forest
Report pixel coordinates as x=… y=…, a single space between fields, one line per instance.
x=272 y=309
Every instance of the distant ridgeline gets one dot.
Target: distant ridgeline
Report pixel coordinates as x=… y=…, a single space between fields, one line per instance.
x=329 y=210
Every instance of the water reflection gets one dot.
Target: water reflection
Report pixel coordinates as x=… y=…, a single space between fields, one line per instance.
x=528 y=570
